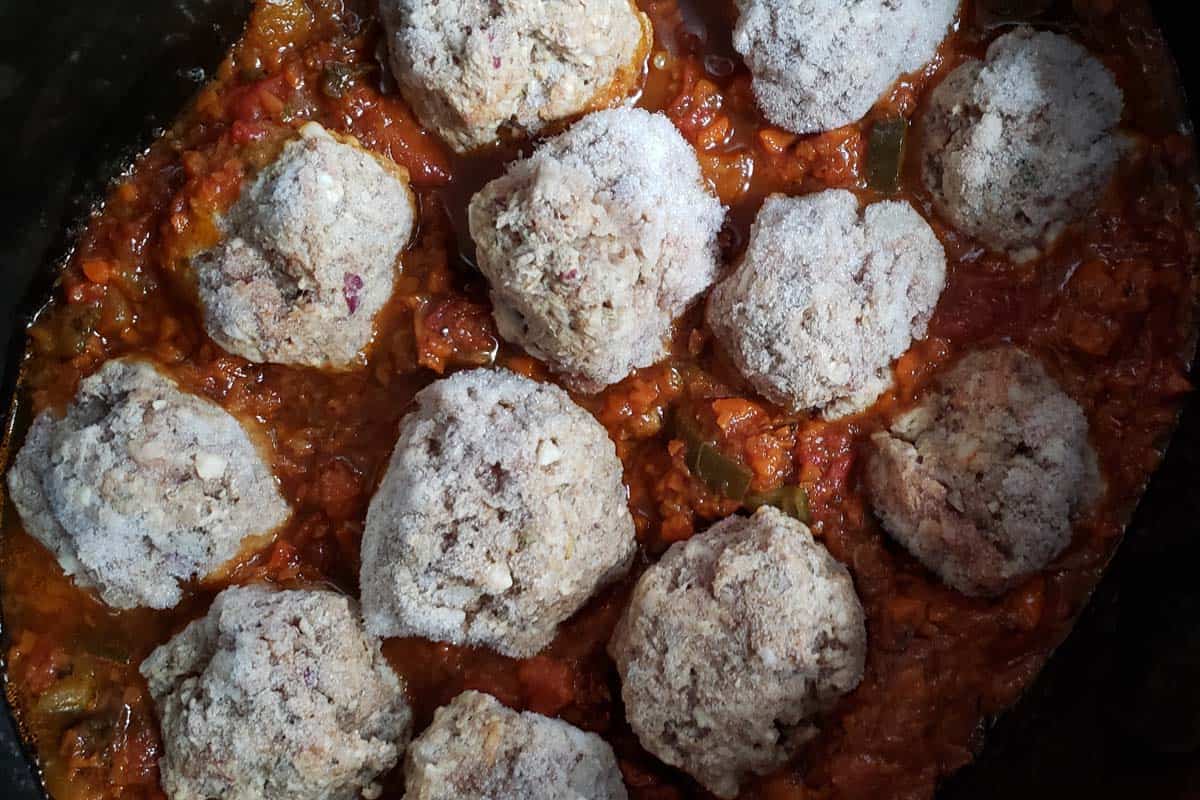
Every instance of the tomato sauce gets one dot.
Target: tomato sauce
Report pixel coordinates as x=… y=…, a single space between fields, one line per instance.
x=1109 y=310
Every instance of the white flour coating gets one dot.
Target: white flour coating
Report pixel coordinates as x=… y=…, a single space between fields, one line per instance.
x=596 y=243
x=308 y=256
x=501 y=512
x=473 y=68
x=1022 y=144
x=733 y=643
x=141 y=487
x=982 y=479
x=276 y=695
x=477 y=749
x=827 y=297
x=822 y=64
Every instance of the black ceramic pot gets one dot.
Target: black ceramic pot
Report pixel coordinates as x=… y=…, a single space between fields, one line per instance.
x=1116 y=714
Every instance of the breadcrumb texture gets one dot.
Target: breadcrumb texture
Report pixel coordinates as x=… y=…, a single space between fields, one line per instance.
x=981 y=480
x=276 y=695
x=474 y=68
x=822 y=64
x=1020 y=145
x=308 y=255
x=501 y=512
x=827 y=297
x=477 y=749
x=733 y=643
x=140 y=487
x=596 y=243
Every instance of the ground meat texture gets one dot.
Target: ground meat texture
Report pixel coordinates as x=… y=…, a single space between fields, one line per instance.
x=733 y=643
x=822 y=64
x=140 y=487
x=308 y=256
x=1021 y=144
x=276 y=695
x=474 y=68
x=827 y=297
x=501 y=512
x=476 y=749
x=981 y=480
x=596 y=243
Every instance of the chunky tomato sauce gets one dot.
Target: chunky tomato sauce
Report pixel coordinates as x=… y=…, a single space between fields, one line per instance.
x=1109 y=310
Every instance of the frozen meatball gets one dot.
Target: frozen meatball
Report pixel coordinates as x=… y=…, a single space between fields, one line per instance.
x=276 y=695
x=596 y=243
x=981 y=480
x=476 y=749
x=733 y=643
x=474 y=68
x=827 y=296
x=501 y=512
x=140 y=487
x=822 y=64
x=308 y=255
x=1018 y=146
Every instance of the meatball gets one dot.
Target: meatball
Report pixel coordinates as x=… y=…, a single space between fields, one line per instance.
x=827 y=297
x=140 y=486
x=980 y=481
x=276 y=695
x=1020 y=145
x=822 y=64
x=596 y=243
x=472 y=69
x=501 y=512
x=733 y=643
x=308 y=256
x=476 y=749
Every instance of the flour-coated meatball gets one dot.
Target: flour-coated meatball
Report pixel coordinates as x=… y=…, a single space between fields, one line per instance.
x=822 y=64
x=477 y=749
x=982 y=479
x=1022 y=144
x=828 y=295
x=140 y=487
x=596 y=243
x=308 y=254
x=276 y=695
x=501 y=512
x=472 y=69
x=733 y=643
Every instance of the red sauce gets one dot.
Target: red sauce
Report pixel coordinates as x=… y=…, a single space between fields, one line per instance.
x=1109 y=310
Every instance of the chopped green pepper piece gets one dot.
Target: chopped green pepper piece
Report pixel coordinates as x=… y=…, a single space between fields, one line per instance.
x=706 y=461
x=721 y=473
x=885 y=154
x=336 y=79
x=76 y=325
x=686 y=430
x=791 y=500
x=72 y=695
x=108 y=649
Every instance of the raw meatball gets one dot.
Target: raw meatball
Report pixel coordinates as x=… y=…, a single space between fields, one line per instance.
x=474 y=68
x=733 y=643
x=1017 y=147
x=981 y=480
x=596 y=243
x=821 y=64
x=308 y=256
x=140 y=486
x=276 y=695
x=501 y=512
x=476 y=749
x=827 y=297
